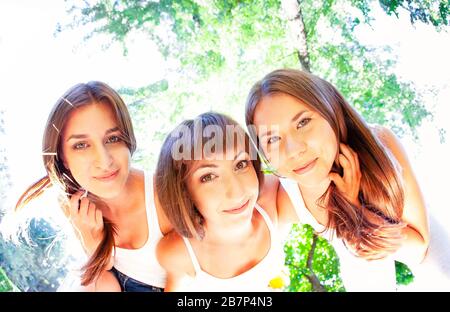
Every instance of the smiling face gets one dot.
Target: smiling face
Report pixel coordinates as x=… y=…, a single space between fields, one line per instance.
x=299 y=143
x=224 y=191
x=94 y=151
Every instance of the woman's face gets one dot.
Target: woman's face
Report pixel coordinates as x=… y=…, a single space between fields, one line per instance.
x=224 y=189
x=94 y=152
x=299 y=143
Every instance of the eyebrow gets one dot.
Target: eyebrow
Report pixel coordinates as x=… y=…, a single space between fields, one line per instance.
x=297 y=116
x=83 y=136
x=213 y=165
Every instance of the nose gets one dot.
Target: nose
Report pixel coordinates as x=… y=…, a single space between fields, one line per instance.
x=234 y=189
x=103 y=157
x=294 y=146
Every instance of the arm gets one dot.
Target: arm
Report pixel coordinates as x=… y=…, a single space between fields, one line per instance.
x=173 y=256
x=87 y=223
x=416 y=232
x=272 y=194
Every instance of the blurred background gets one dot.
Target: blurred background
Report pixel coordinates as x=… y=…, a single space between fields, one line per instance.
x=174 y=59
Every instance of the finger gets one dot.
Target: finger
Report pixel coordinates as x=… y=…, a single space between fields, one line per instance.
x=350 y=155
x=84 y=205
x=338 y=181
x=98 y=217
x=356 y=164
x=345 y=164
x=91 y=213
x=65 y=206
x=74 y=203
x=85 y=193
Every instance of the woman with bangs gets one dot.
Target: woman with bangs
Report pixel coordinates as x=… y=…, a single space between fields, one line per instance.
x=87 y=147
x=225 y=218
x=349 y=180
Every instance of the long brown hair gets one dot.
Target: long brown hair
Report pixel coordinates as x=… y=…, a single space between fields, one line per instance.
x=381 y=192
x=172 y=172
x=59 y=176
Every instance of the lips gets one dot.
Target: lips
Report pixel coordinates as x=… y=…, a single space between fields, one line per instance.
x=305 y=168
x=239 y=208
x=109 y=176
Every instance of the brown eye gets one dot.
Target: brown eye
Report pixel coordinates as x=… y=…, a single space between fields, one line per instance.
x=206 y=178
x=80 y=145
x=242 y=164
x=303 y=122
x=273 y=140
x=113 y=139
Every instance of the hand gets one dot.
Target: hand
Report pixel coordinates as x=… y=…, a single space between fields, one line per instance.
x=349 y=184
x=87 y=222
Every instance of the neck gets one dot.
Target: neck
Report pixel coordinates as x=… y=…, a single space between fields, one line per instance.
x=312 y=193
x=233 y=233
x=126 y=200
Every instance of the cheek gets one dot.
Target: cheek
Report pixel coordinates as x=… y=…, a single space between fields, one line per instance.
x=206 y=200
x=76 y=163
x=199 y=196
x=251 y=182
x=330 y=148
x=120 y=154
x=80 y=172
x=275 y=156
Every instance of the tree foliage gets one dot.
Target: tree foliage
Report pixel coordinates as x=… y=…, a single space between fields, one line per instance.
x=325 y=262
x=5 y=282
x=38 y=262
x=435 y=12
x=220 y=48
x=231 y=44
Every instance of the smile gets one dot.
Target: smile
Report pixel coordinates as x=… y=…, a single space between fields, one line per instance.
x=238 y=209
x=306 y=168
x=108 y=177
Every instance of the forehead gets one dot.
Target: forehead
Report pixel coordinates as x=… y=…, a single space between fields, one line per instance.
x=218 y=159
x=277 y=109
x=90 y=118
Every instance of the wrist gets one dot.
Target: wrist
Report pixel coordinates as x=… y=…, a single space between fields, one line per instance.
x=90 y=244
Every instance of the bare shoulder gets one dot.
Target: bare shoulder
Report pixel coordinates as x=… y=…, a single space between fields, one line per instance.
x=137 y=175
x=275 y=200
x=414 y=210
x=268 y=195
x=268 y=190
x=286 y=210
x=173 y=255
x=392 y=142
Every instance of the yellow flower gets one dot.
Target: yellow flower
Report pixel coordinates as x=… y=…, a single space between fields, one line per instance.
x=276 y=282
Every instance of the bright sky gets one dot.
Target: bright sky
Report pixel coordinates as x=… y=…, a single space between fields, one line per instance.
x=36 y=68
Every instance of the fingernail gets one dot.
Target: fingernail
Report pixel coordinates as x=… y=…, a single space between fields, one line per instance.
x=84 y=194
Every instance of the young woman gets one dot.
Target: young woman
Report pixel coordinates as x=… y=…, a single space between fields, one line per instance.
x=226 y=219
x=352 y=182
x=87 y=147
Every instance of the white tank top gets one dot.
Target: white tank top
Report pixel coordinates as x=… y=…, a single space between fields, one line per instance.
x=357 y=273
x=141 y=264
x=255 y=279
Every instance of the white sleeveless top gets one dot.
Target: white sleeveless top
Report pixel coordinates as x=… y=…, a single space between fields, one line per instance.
x=357 y=273
x=255 y=279
x=141 y=264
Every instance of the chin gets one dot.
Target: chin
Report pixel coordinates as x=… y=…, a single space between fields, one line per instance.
x=108 y=192
x=308 y=180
